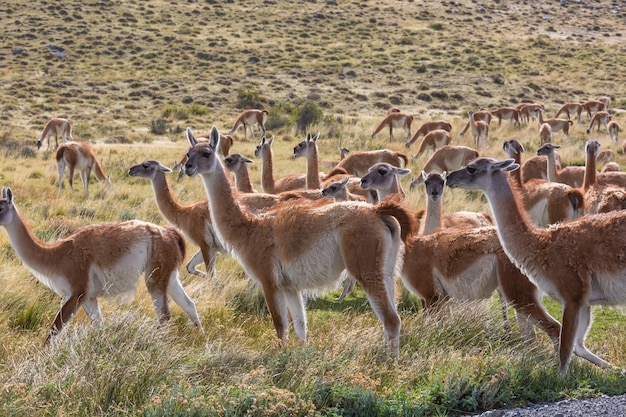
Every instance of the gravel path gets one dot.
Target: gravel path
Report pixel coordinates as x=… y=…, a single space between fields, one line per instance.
x=594 y=407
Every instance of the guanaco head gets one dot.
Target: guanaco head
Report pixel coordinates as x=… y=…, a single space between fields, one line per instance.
x=547 y=149
x=236 y=161
x=148 y=169
x=513 y=147
x=383 y=176
x=305 y=147
x=434 y=183
x=336 y=189
x=591 y=148
x=263 y=147
x=202 y=157
x=6 y=206
x=477 y=174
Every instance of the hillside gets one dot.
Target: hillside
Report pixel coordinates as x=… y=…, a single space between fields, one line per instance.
x=127 y=64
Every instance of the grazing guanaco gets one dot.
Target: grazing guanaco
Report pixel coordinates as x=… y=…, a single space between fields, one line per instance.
x=613 y=128
x=570 y=109
x=507 y=113
x=555 y=124
x=579 y=263
x=428 y=127
x=306 y=247
x=529 y=111
x=58 y=127
x=446 y=159
x=479 y=129
x=395 y=120
x=599 y=118
x=359 y=163
x=593 y=106
x=79 y=155
x=249 y=119
x=433 y=140
x=101 y=260
x=545 y=133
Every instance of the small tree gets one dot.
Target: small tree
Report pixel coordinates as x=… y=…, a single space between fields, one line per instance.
x=307 y=114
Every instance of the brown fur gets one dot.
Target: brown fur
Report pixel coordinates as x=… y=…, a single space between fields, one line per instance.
x=248 y=119
x=101 y=260
x=57 y=127
x=482 y=114
x=613 y=128
x=555 y=124
x=432 y=141
x=593 y=106
x=528 y=111
x=600 y=118
x=479 y=129
x=436 y=268
x=560 y=202
x=359 y=163
x=305 y=248
x=578 y=263
x=447 y=158
x=545 y=133
x=237 y=164
x=429 y=127
x=570 y=109
x=395 y=120
x=507 y=113
x=79 y=155
x=193 y=220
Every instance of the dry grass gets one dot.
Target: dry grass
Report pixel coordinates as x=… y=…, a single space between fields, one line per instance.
x=135 y=68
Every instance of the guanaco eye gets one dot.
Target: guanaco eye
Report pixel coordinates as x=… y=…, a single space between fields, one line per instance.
x=470 y=169
x=382 y=171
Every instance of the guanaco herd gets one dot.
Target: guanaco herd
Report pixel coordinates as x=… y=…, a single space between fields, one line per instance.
x=552 y=229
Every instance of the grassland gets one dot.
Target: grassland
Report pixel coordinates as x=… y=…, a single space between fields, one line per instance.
x=137 y=73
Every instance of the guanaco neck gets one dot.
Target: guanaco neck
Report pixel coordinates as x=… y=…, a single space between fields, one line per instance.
x=394 y=188
x=171 y=209
x=589 y=178
x=516 y=233
x=432 y=221
x=516 y=176
x=313 y=170
x=242 y=180
x=100 y=175
x=37 y=255
x=267 y=170
x=553 y=175
x=231 y=223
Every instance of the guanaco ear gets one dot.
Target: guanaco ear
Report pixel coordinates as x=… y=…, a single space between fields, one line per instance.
x=345 y=181
x=316 y=137
x=308 y=137
x=401 y=171
x=7 y=194
x=214 y=139
x=271 y=140
x=444 y=174
x=164 y=168
x=424 y=176
x=246 y=160
x=506 y=165
x=190 y=137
